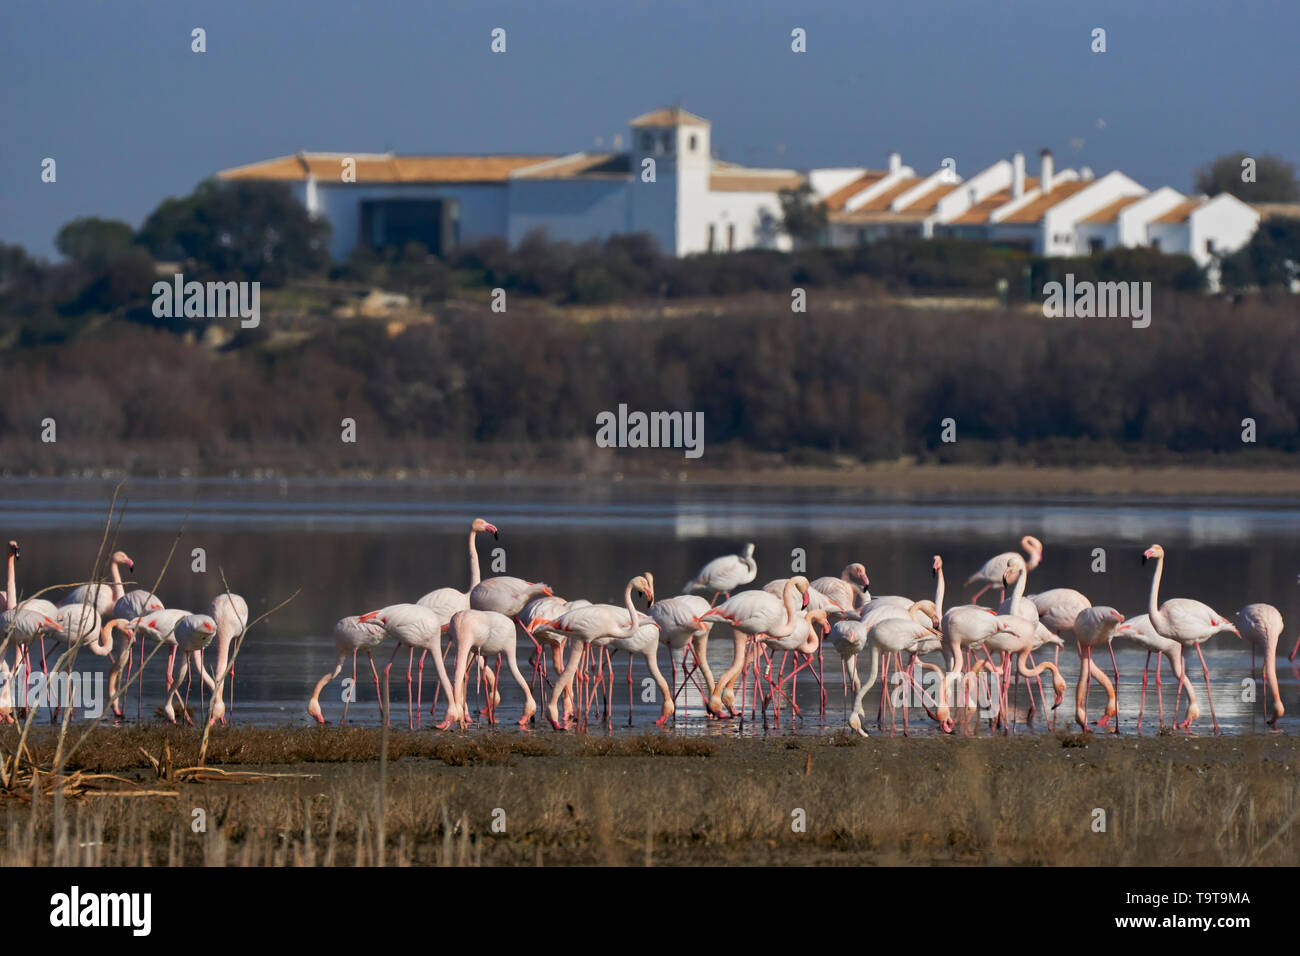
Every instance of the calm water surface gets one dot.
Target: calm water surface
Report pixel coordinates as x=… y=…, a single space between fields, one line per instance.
x=349 y=547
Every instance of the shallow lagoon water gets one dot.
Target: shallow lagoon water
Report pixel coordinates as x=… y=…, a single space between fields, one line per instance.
x=348 y=547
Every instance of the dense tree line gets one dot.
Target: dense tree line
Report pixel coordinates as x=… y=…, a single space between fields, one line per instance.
x=870 y=383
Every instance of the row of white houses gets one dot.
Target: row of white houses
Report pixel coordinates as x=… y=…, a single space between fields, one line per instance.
x=670 y=184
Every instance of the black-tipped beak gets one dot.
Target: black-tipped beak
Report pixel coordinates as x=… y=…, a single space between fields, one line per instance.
x=1144 y=559
x=934 y=573
x=496 y=536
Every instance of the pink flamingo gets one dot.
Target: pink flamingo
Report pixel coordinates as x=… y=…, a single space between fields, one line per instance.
x=585 y=625
x=350 y=636
x=1093 y=627
x=751 y=613
x=680 y=625
x=536 y=619
x=131 y=605
x=723 y=575
x=893 y=635
x=645 y=642
x=1189 y=622
x=849 y=590
x=990 y=575
x=413 y=627
x=193 y=633
x=230 y=612
x=483 y=633
x=1262 y=625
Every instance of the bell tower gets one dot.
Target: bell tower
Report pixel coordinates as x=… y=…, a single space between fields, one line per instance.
x=672 y=145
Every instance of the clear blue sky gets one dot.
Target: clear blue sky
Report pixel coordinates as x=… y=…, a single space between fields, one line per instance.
x=113 y=93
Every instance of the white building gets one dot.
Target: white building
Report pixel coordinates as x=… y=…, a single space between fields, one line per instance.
x=668 y=185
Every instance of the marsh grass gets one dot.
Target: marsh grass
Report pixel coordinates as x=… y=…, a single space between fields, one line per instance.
x=654 y=800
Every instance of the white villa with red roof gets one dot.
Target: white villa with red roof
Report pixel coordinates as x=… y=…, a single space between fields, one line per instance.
x=670 y=185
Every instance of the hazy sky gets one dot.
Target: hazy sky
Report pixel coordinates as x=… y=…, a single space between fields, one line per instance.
x=113 y=93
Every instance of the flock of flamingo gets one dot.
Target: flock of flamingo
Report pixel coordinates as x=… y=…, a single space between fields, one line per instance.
x=982 y=649
x=93 y=616
x=790 y=617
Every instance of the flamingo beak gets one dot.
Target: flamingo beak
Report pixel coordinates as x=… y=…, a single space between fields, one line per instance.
x=369 y=616
x=805 y=599
x=495 y=534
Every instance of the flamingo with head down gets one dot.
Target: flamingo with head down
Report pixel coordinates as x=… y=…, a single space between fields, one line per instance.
x=414 y=627
x=350 y=636
x=483 y=633
x=894 y=635
x=1262 y=625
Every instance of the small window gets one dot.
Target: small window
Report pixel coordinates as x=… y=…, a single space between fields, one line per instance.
x=647 y=142
x=694 y=143
x=711 y=230
x=1155 y=244
x=1209 y=246
x=1095 y=246
x=667 y=141
x=731 y=237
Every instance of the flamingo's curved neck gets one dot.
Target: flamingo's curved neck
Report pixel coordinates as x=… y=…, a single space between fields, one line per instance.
x=788 y=601
x=474 y=574
x=119 y=591
x=1019 y=591
x=1034 y=558
x=631 y=609
x=1153 y=606
x=938 y=593
x=11 y=591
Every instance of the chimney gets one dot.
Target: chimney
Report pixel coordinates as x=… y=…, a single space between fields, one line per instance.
x=1046 y=170
x=895 y=162
x=1017 y=175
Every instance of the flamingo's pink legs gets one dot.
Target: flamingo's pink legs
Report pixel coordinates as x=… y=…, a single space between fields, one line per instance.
x=1208 y=696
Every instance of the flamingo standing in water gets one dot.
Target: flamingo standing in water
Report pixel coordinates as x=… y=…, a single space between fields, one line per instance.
x=1018 y=637
x=1189 y=622
x=351 y=635
x=585 y=625
x=1261 y=624
x=752 y=613
x=894 y=635
x=161 y=626
x=964 y=627
x=413 y=627
x=990 y=575
x=849 y=590
x=723 y=575
x=193 y=633
x=1139 y=630
x=129 y=607
x=1094 y=627
x=679 y=625
x=230 y=612
x=483 y=633
x=536 y=619
x=644 y=642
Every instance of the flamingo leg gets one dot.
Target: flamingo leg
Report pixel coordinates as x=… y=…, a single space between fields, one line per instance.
x=1208 y=695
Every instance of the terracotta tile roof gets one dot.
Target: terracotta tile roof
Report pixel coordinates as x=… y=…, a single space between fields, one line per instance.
x=672 y=116
x=836 y=200
x=928 y=200
x=581 y=165
x=1179 y=213
x=754 y=181
x=383 y=168
x=880 y=202
x=876 y=216
x=980 y=212
x=1033 y=212
x=1110 y=213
